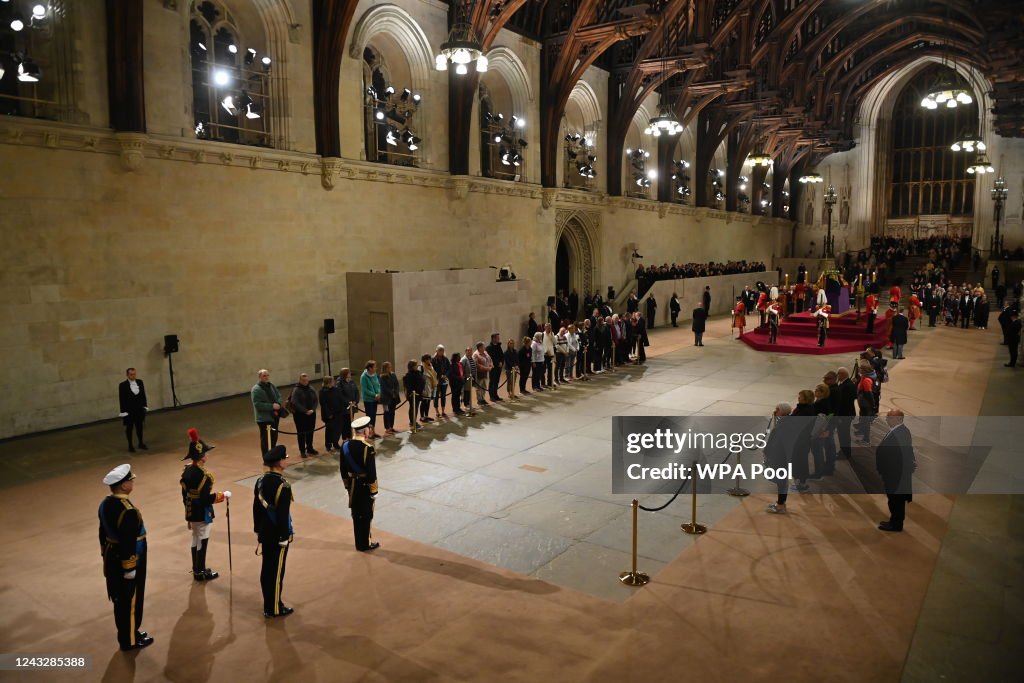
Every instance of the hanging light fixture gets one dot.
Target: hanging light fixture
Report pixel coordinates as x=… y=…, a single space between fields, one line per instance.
x=970 y=143
x=759 y=159
x=811 y=178
x=945 y=94
x=665 y=123
x=461 y=48
x=981 y=166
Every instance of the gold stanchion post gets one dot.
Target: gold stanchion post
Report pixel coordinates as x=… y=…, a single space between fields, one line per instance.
x=634 y=577
x=693 y=527
x=738 y=490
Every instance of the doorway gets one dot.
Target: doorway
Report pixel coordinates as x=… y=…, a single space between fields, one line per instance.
x=563 y=269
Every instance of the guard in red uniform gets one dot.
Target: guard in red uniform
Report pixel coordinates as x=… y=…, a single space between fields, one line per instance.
x=739 y=316
x=871 y=306
x=762 y=307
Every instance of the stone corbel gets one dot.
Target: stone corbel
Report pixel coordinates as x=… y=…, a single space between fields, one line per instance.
x=51 y=139
x=459 y=188
x=256 y=162
x=547 y=197
x=133 y=148
x=330 y=167
x=663 y=209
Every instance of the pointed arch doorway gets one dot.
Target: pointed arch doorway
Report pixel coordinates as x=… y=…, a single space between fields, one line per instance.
x=575 y=247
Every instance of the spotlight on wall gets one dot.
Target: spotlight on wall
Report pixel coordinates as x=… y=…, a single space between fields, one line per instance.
x=221 y=77
x=411 y=141
x=16 y=23
x=390 y=137
x=251 y=109
x=233 y=49
x=389 y=91
x=229 y=105
x=266 y=63
x=29 y=71
x=250 y=56
x=378 y=114
x=38 y=11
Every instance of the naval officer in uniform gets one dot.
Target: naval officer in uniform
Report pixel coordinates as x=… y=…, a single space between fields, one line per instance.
x=272 y=522
x=198 y=496
x=359 y=473
x=123 y=547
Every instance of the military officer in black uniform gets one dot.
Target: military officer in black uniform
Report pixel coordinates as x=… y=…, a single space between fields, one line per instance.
x=123 y=547
x=272 y=522
x=199 y=497
x=359 y=473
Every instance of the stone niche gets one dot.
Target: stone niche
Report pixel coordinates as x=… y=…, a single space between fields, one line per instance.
x=401 y=316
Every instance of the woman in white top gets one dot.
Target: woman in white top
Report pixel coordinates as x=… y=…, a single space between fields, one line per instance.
x=573 y=341
x=537 y=358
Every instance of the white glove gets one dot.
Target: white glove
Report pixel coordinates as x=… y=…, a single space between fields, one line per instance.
x=122 y=414
x=227 y=494
x=283 y=544
x=130 y=575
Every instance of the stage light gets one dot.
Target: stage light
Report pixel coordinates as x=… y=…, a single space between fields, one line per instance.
x=229 y=105
x=390 y=137
x=221 y=77
x=517 y=159
x=389 y=91
x=411 y=141
x=406 y=93
x=266 y=62
x=29 y=71
x=233 y=49
x=38 y=12
x=251 y=110
x=652 y=174
x=416 y=98
x=201 y=46
x=250 y=56
x=378 y=114
x=518 y=122
x=17 y=24
x=497 y=138
x=522 y=142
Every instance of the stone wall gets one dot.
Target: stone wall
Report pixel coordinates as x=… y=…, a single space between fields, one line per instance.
x=113 y=241
x=456 y=308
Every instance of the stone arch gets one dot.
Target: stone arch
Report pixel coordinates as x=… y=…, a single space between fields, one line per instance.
x=586 y=99
x=579 y=229
x=507 y=64
x=868 y=209
x=399 y=25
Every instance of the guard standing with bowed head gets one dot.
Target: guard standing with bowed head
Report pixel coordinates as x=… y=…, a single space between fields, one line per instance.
x=198 y=496
x=359 y=473
x=272 y=523
x=123 y=548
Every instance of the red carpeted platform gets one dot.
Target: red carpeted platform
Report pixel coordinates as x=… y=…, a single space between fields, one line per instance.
x=799 y=334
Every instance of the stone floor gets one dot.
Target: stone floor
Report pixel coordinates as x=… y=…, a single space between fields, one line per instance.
x=526 y=486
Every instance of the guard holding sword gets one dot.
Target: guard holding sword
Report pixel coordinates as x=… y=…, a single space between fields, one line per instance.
x=198 y=496
x=359 y=473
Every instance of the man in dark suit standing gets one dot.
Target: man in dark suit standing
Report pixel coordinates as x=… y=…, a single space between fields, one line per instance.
x=554 y=319
x=674 y=308
x=966 y=310
x=700 y=318
x=706 y=298
x=652 y=308
x=898 y=332
x=1013 y=337
x=846 y=409
x=132 y=395
x=895 y=462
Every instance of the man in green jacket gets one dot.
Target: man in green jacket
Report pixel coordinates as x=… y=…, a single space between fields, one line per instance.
x=266 y=404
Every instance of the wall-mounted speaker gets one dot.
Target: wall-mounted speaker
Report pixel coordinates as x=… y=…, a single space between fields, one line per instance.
x=328 y=325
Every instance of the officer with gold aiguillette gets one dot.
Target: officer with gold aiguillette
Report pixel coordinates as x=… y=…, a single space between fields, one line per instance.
x=359 y=473
x=199 y=497
x=123 y=547
x=272 y=522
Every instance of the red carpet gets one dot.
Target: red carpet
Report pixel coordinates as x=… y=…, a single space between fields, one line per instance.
x=799 y=334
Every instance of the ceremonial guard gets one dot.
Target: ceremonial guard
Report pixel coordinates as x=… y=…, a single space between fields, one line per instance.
x=123 y=547
x=272 y=522
x=774 y=313
x=359 y=474
x=762 y=308
x=823 y=313
x=739 y=315
x=198 y=496
x=871 y=306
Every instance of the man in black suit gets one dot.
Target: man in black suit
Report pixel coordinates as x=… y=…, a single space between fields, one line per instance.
x=966 y=310
x=674 y=308
x=652 y=308
x=1013 y=337
x=554 y=319
x=706 y=298
x=895 y=462
x=700 y=318
x=846 y=409
x=898 y=327
x=132 y=396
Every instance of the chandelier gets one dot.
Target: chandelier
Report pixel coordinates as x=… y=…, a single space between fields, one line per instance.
x=947 y=95
x=969 y=144
x=981 y=166
x=760 y=159
x=462 y=47
x=665 y=123
x=811 y=178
